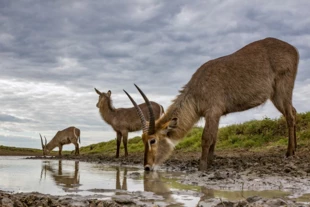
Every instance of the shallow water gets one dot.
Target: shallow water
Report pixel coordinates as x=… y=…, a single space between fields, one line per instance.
x=61 y=177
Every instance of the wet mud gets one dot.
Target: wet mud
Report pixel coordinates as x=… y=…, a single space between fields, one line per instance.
x=240 y=171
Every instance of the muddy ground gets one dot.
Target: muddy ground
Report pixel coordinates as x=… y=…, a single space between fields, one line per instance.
x=231 y=170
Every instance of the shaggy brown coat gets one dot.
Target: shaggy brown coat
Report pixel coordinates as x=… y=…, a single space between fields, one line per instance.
x=66 y=136
x=123 y=120
x=262 y=70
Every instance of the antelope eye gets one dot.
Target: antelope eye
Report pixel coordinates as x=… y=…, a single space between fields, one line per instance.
x=152 y=141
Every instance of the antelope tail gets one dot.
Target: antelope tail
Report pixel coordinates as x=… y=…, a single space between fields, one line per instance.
x=76 y=135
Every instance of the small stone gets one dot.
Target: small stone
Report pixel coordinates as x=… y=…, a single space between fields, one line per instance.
x=17 y=203
x=218 y=176
x=276 y=202
x=241 y=203
x=225 y=203
x=123 y=199
x=253 y=199
x=6 y=202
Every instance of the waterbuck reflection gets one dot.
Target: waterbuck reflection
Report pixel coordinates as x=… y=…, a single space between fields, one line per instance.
x=118 y=185
x=153 y=183
x=67 y=180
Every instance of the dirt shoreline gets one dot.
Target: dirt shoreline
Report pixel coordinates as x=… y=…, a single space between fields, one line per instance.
x=233 y=170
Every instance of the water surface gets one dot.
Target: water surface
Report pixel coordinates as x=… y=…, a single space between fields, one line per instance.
x=61 y=177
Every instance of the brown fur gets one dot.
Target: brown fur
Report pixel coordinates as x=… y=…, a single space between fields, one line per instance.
x=66 y=136
x=262 y=70
x=123 y=120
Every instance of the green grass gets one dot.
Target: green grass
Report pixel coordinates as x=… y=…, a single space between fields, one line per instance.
x=134 y=145
x=266 y=132
x=256 y=134
x=4 y=150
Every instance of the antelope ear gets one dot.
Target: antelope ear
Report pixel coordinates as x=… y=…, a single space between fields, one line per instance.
x=99 y=93
x=109 y=93
x=173 y=123
x=170 y=126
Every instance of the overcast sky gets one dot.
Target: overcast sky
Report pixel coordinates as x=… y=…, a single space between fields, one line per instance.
x=53 y=54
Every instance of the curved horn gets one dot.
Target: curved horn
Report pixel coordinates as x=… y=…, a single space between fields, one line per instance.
x=98 y=92
x=151 y=113
x=42 y=142
x=140 y=113
x=45 y=141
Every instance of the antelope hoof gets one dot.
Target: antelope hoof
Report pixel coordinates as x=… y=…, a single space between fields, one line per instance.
x=203 y=165
x=210 y=160
x=290 y=153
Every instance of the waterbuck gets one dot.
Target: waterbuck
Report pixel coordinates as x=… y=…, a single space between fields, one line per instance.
x=262 y=70
x=124 y=120
x=66 y=136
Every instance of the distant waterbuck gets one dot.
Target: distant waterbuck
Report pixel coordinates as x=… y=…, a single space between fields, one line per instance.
x=124 y=120
x=66 y=136
x=262 y=70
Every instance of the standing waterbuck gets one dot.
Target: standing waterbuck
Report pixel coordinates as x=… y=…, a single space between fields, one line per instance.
x=265 y=69
x=66 y=136
x=124 y=120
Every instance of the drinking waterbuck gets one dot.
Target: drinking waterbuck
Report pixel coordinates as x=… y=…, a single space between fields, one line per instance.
x=66 y=136
x=123 y=120
x=262 y=70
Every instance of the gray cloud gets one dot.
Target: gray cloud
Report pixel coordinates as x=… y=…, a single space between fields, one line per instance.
x=17 y=141
x=9 y=118
x=53 y=53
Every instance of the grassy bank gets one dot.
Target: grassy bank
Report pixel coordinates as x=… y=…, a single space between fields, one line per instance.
x=4 y=150
x=255 y=135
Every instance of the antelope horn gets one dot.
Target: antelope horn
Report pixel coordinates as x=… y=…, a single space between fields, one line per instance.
x=42 y=142
x=45 y=141
x=99 y=93
x=139 y=111
x=151 y=129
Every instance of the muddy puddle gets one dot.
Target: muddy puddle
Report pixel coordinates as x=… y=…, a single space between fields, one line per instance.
x=67 y=177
